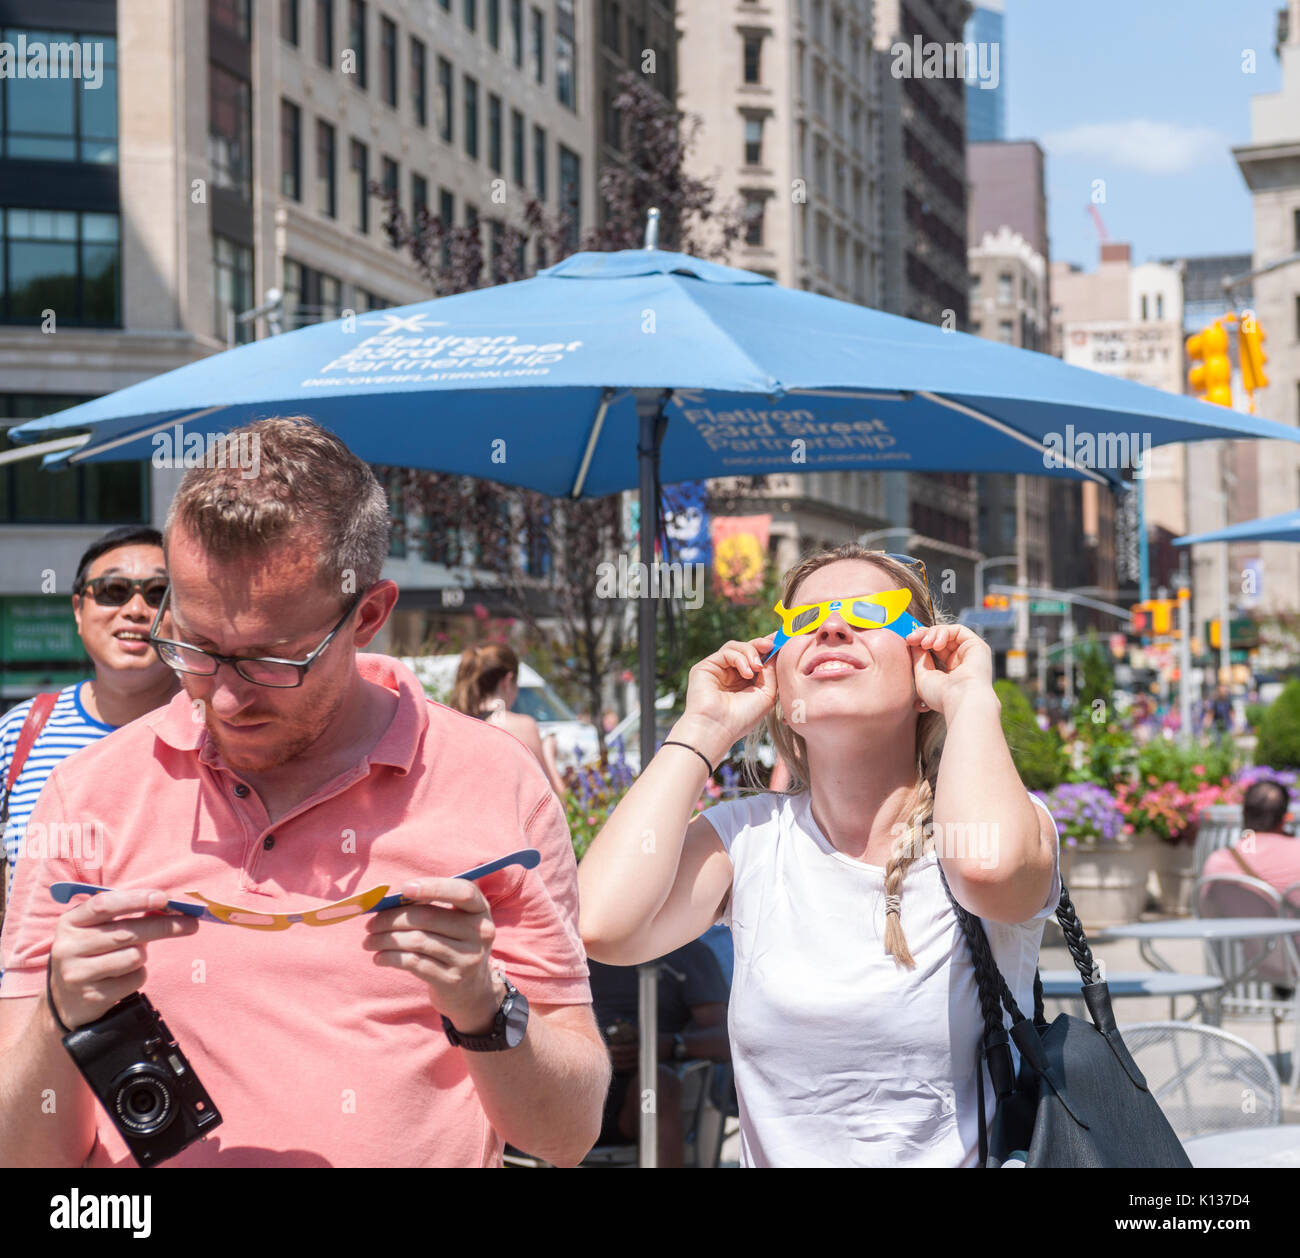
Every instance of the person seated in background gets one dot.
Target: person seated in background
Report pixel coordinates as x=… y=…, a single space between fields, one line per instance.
x=1263 y=851
x=692 y=1024
x=487 y=685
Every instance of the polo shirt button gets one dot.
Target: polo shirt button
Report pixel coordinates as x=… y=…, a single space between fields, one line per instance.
x=241 y=790
x=268 y=843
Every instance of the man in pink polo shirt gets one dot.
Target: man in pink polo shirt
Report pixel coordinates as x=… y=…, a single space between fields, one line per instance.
x=276 y=788
x=1263 y=851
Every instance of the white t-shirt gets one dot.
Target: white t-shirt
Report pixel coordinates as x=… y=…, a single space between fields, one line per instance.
x=842 y=1056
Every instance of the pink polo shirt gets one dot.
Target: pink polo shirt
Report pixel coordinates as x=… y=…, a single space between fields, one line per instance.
x=314 y=1055
x=1275 y=860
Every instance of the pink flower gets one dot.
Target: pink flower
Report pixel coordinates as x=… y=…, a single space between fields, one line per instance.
x=1198 y=768
x=591 y=821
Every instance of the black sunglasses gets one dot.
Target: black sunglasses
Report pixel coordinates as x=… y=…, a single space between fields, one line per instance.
x=118 y=591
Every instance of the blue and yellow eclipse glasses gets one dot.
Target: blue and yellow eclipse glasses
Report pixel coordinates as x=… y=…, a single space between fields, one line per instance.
x=887 y=610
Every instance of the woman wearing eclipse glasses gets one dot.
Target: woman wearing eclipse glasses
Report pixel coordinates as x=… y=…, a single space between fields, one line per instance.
x=854 y=1014
x=119 y=585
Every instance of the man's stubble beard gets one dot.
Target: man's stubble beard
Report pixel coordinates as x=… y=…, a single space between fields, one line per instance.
x=279 y=756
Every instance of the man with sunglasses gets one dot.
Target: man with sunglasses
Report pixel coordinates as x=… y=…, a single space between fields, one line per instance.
x=117 y=590
x=298 y=771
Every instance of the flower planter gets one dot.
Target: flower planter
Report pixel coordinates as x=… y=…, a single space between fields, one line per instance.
x=1174 y=866
x=1108 y=883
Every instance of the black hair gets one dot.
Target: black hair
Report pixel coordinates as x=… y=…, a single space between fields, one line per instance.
x=127 y=535
x=1265 y=806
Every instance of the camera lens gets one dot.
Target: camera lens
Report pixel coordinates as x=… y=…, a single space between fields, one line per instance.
x=141 y=1099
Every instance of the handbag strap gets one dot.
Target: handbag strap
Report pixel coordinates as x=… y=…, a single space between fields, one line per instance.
x=1241 y=860
x=37 y=715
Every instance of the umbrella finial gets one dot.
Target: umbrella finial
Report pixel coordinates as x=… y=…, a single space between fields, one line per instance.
x=652 y=229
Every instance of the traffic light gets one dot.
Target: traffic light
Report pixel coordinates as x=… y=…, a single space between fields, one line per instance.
x=1139 y=613
x=1211 y=373
x=1215 y=637
x=999 y=601
x=1160 y=615
x=1250 y=350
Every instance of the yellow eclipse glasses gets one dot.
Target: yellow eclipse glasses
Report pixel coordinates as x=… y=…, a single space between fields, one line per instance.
x=886 y=610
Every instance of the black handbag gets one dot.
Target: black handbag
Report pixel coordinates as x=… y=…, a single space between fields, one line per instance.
x=1079 y=1098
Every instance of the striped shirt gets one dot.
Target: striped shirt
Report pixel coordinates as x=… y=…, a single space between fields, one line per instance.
x=69 y=729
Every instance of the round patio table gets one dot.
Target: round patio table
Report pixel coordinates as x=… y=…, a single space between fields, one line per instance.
x=1249 y=1148
x=1204 y=928
x=1066 y=984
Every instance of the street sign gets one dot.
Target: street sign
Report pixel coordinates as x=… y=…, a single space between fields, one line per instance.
x=1017 y=665
x=987 y=618
x=1047 y=607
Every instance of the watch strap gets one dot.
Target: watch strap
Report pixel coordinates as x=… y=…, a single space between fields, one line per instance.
x=507 y=1027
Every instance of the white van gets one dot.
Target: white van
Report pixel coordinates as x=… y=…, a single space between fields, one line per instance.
x=575 y=741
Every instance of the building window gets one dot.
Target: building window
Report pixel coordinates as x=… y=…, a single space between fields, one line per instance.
x=325 y=33
x=754 y=206
x=61 y=260
x=230 y=15
x=360 y=167
x=290 y=150
x=392 y=182
x=60 y=118
x=753 y=47
x=495 y=159
x=232 y=271
x=1006 y=331
x=446 y=101
x=539 y=162
x=289 y=21
x=230 y=124
x=612 y=121
x=538 y=50
x=610 y=26
x=419 y=197
x=470 y=12
x=326 y=185
x=974 y=286
x=517 y=31
x=310 y=296
x=1297 y=317
x=1144 y=308
x=1005 y=288
x=471 y=117
x=571 y=193
x=1160 y=306
x=753 y=141
x=566 y=88
x=97 y=493
x=388 y=61
x=517 y=145
x=447 y=216
x=357 y=38
x=419 y=85
x=494 y=24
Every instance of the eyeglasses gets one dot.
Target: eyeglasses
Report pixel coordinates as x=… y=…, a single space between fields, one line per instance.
x=262 y=671
x=887 y=609
x=376 y=900
x=119 y=591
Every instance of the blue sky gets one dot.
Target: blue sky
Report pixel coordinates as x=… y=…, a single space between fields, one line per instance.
x=1150 y=96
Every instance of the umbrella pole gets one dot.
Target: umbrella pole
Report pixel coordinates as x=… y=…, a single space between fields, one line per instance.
x=649 y=411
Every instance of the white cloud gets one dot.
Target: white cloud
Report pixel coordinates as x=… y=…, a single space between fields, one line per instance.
x=1160 y=148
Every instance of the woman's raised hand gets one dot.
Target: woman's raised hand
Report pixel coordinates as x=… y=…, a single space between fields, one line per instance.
x=731 y=690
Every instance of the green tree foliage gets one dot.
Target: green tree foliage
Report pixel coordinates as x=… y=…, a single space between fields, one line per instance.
x=1279 y=731
x=1039 y=755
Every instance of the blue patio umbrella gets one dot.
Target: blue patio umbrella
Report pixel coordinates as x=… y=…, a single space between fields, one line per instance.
x=611 y=371
x=1269 y=528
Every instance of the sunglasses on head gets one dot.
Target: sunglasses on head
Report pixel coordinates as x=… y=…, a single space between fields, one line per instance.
x=118 y=591
x=886 y=610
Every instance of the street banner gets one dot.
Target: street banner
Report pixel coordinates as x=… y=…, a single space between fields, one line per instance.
x=686 y=520
x=740 y=554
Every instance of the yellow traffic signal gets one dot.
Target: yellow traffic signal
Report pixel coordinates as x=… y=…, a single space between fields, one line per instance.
x=1215 y=638
x=1160 y=615
x=1250 y=348
x=1211 y=374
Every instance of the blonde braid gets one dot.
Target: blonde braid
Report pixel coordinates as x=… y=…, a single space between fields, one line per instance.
x=907 y=847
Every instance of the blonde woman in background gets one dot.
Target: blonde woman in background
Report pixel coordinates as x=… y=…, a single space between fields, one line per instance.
x=487 y=685
x=854 y=1015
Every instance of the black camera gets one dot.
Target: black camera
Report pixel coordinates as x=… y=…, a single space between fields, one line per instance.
x=142 y=1079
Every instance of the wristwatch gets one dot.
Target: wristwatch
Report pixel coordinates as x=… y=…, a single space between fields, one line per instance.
x=507 y=1029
